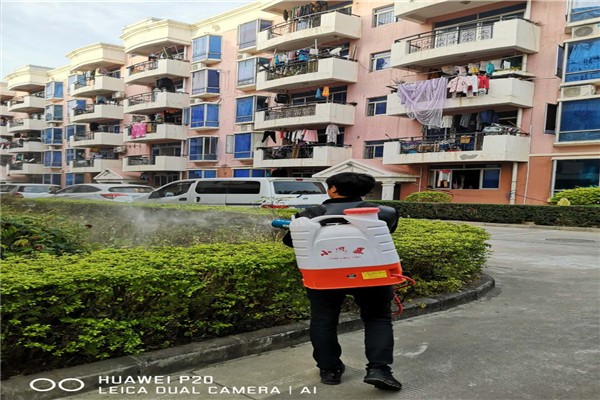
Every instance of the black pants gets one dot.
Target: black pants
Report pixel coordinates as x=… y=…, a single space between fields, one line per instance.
x=375 y=311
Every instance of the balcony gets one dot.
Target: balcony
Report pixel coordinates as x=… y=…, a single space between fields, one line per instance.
x=154 y=163
x=95 y=165
x=29 y=78
x=503 y=93
x=323 y=27
x=154 y=35
x=420 y=11
x=153 y=102
x=97 y=113
x=27 y=104
x=24 y=168
x=154 y=132
x=475 y=147
x=6 y=94
x=27 y=146
x=96 y=139
x=148 y=72
x=4 y=131
x=300 y=156
x=485 y=39
x=304 y=115
x=4 y=111
x=26 y=124
x=100 y=85
x=308 y=73
x=98 y=55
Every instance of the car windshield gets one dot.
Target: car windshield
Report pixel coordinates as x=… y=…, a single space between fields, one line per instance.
x=7 y=188
x=34 y=189
x=299 y=187
x=130 y=189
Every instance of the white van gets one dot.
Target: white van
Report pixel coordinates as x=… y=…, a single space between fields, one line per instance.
x=273 y=192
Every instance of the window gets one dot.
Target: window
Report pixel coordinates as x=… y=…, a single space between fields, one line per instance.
x=246 y=106
x=570 y=174
x=248 y=32
x=581 y=10
x=242 y=147
x=550 y=126
x=205 y=81
x=380 y=61
x=384 y=16
x=166 y=149
x=583 y=62
x=53 y=136
x=74 y=179
x=53 y=159
x=203 y=148
x=251 y=173
x=374 y=148
x=54 y=113
x=560 y=59
x=206 y=48
x=75 y=154
x=205 y=115
x=202 y=173
x=52 y=179
x=579 y=120
x=73 y=105
x=54 y=90
x=247 y=72
x=75 y=130
x=74 y=82
x=376 y=106
x=174 y=189
x=466 y=177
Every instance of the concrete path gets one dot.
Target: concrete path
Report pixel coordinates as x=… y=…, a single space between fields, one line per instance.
x=536 y=336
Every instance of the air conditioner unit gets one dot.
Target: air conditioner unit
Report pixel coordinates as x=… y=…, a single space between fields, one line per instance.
x=195 y=101
x=586 y=30
x=52 y=124
x=198 y=66
x=119 y=95
x=246 y=127
x=243 y=56
x=578 y=91
x=120 y=149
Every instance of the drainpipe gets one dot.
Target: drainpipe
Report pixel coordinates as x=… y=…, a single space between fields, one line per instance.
x=513 y=183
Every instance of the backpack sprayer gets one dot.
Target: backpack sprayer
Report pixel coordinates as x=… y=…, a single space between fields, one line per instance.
x=346 y=251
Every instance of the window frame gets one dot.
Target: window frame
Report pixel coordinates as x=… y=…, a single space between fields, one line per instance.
x=372 y=104
x=372 y=149
x=377 y=12
x=380 y=56
x=203 y=155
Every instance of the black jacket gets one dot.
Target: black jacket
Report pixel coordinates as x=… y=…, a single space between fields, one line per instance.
x=337 y=206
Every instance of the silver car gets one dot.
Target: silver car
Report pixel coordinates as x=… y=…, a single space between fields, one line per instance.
x=101 y=191
x=28 y=190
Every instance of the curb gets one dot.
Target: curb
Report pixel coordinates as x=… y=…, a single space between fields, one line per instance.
x=201 y=354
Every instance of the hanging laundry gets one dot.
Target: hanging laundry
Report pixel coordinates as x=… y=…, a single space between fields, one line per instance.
x=325 y=92
x=489 y=68
x=310 y=136
x=267 y=135
x=318 y=94
x=483 y=83
x=424 y=100
x=458 y=84
x=332 y=131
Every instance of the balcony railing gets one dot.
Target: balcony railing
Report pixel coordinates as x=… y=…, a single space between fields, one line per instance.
x=141 y=160
x=470 y=32
x=143 y=66
x=304 y=22
x=294 y=151
x=303 y=110
x=141 y=98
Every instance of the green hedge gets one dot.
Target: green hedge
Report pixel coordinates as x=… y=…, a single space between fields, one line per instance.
x=579 y=196
x=583 y=216
x=429 y=197
x=59 y=311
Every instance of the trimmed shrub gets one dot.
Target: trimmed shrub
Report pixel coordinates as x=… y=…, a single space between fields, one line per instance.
x=27 y=234
x=62 y=311
x=441 y=257
x=589 y=196
x=429 y=197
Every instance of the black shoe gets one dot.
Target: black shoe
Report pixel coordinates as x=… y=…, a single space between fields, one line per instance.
x=332 y=376
x=382 y=379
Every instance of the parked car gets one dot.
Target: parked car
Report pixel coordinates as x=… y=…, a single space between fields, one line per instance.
x=272 y=192
x=28 y=190
x=102 y=191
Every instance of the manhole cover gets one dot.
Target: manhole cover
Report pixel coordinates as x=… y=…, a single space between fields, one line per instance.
x=571 y=240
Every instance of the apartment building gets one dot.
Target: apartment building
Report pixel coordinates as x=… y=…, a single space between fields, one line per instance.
x=491 y=101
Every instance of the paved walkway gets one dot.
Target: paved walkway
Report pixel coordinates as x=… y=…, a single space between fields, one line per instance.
x=536 y=336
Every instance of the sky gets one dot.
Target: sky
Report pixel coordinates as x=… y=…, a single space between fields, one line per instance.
x=43 y=32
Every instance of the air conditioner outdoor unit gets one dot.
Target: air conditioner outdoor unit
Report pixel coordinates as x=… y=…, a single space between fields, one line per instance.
x=198 y=66
x=195 y=101
x=586 y=30
x=246 y=127
x=578 y=91
x=52 y=124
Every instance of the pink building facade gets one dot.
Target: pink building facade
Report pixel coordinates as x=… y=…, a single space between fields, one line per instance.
x=491 y=101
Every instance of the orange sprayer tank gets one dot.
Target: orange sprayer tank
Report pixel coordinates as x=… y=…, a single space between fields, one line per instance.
x=359 y=253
